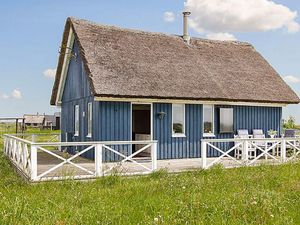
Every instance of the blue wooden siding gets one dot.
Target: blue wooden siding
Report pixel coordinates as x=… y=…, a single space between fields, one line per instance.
x=77 y=91
x=112 y=122
x=245 y=117
x=177 y=147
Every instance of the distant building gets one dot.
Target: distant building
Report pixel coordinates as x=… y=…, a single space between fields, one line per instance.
x=52 y=121
x=43 y=121
x=34 y=120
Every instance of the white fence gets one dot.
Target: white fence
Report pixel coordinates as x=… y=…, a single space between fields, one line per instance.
x=41 y=157
x=247 y=152
x=51 y=161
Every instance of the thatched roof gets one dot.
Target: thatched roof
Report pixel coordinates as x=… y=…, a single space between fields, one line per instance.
x=38 y=119
x=136 y=64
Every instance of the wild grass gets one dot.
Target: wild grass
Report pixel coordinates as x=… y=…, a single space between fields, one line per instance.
x=253 y=195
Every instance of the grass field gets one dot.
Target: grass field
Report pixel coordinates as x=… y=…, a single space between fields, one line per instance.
x=257 y=195
x=260 y=195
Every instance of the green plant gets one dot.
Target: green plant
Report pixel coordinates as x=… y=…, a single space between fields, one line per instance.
x=290 y=123
x=272 y=132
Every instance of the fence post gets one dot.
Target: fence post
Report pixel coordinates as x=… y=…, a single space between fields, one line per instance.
x=283 y=150
x=154 y=156
x=33 y=138
x=98 y=159
x=245 y=151
x=5 y=145
x=204 y=154
x=33 y=158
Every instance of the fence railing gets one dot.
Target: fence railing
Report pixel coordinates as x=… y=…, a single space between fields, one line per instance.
x=247 y=152
x=52 y=160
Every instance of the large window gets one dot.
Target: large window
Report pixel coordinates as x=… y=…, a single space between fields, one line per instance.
x=208 y=120
x=89 y=119
x=226 y=120
x=178 y=119
x=76 y=116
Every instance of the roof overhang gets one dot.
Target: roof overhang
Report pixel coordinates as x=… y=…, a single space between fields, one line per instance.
x=66 y=51
x=187 y=101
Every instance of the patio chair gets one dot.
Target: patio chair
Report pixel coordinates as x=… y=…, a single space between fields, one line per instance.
x=244 y=134
x=291 y=133
x=258 y=133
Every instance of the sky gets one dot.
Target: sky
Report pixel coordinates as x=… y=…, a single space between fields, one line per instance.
x=31 y=33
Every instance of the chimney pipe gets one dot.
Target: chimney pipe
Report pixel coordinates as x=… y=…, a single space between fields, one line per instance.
x=186 y=37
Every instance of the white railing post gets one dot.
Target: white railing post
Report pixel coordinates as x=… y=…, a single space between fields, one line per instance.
x=154 y=156
x=98 y=159
x=33 y=137
x=33 y=158
x=5 y=145
x=245 y=151
x=204 y=154
x=283 y=150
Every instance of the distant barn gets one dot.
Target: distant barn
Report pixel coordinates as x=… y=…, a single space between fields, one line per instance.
x=43 y=121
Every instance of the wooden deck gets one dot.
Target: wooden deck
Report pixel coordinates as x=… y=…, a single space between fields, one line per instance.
x=46 y=162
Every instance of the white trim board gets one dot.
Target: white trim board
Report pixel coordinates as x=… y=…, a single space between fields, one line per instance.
x=180 y=101
x=65 y=67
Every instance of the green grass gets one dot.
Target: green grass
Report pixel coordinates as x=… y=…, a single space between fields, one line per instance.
x=257 y=195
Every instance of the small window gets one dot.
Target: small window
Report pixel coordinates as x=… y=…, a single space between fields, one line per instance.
x=89 y=119
x=208 y=120
x=178 y=119
x=226 y=120
x=76 y=130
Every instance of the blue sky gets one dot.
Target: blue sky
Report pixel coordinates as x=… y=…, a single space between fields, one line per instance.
x=31 y=33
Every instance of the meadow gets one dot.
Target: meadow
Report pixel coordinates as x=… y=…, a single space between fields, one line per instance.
x=248 y=195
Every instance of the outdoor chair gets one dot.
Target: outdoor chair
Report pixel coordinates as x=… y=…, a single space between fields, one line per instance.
x=244 y=134
x=291 y=133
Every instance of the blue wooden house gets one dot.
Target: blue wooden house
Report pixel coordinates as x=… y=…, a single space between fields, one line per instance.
x=121 y=84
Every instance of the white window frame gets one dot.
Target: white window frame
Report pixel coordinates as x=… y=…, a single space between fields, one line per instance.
x=183 y=128
x=76 y=120
x=89 y=119
x=212 y=134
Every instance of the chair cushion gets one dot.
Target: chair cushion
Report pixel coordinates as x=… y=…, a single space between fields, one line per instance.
x=257 y=131
x=289 y=133
x=259 y=136
x=242 y=132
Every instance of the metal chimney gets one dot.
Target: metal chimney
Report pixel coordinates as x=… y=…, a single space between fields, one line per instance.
x=186 y=37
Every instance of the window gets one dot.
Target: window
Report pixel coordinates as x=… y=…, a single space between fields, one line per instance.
x=208 y=120
x=178 y=119
x=76 y=120
x=89 y=119
x=226 y=120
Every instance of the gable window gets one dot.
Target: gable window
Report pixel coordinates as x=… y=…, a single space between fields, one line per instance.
x=76 y=116
x=89 y=119
x=178 y=120
x=208 y=120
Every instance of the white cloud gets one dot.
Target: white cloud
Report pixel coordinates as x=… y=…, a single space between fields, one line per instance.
x=16 y=94
x=219 y=16
x=50 y=73
x=5 y=96
x=221 y=36
x=169 y=17
x=291 y=79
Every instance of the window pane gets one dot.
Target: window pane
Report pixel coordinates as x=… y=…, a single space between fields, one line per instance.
x=178 y=118
x=89 y=118
x=208 y=119
x=226 y=120
x=76 y=119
